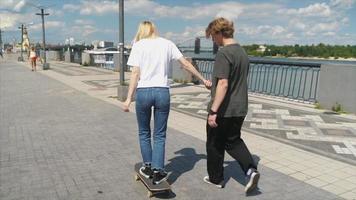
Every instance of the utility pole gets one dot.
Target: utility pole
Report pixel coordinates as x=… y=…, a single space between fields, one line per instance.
x=121 y=42
x=122 y=88
x=21 y=58
x=1 y=47
x=45 y=65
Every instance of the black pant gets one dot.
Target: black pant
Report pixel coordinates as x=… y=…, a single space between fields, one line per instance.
x=227 y=136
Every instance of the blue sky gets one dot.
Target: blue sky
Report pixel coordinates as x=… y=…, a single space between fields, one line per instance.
x=278 y=22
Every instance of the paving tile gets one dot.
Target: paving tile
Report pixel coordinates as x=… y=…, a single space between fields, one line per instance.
x=316 y=182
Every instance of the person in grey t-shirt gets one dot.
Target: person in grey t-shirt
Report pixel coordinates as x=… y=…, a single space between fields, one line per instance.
x=228 y=107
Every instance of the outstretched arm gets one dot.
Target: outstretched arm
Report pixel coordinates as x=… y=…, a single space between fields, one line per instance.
x=135 y=75
x=189 y=67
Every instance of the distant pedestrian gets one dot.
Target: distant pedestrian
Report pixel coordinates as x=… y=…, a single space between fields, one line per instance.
x=228 y=107
x=33 y=57
x=1 y=53
x=150 y=58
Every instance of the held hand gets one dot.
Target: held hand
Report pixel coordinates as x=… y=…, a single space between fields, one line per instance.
x=212 y=121
x=207 y=84
x=126 y=107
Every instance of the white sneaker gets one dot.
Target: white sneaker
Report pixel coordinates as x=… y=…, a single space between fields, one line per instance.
x=252 y=181
x=220 y=185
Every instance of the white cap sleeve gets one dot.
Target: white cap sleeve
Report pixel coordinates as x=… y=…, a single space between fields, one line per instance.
x=134 y=58
x=176 y=54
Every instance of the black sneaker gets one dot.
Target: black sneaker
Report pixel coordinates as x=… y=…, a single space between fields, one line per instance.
x=146 y=171
x=159 y=176
x=252 y=181
x=219 y=185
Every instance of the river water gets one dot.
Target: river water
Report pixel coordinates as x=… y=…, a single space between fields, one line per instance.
x=322 y=61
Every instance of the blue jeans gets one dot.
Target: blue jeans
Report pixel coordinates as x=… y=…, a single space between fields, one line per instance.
x=159 y=99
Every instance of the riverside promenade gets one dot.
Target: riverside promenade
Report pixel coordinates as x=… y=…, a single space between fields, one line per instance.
x=63 y=135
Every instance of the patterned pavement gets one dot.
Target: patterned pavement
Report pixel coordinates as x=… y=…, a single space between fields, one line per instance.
x=326 y=134
x=77 y=70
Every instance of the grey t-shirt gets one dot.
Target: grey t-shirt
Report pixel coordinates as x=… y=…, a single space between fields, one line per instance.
x=232 y=63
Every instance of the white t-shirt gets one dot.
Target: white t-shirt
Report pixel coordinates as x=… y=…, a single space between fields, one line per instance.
x=32 y=54
x=153 y=57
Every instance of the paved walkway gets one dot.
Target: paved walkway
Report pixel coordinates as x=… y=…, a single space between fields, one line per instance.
x=63 y=137
x=327 y=134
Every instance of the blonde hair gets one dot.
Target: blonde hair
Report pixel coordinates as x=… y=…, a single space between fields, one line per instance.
x=220 y=25
x=146 y=29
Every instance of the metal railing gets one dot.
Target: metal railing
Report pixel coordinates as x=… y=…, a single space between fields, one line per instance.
x=294 y=80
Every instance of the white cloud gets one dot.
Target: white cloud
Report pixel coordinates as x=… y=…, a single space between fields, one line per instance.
x=153 y=9
x=345 y=20
x=95 y=7
x=83 y=21
x=229 y=9
x=325 y=27
x=330 y=33
x=19 y=5
x=85 y=30
x=10 y=20
x=48 y=25
x=187 y=36
x=342 y=4
x=274 y=31
x=9 y=4
x=318 y=9
x=71 y=7
x=298 y=25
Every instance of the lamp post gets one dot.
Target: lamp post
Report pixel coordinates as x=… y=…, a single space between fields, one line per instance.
x=21 y=58
x=121 y=42
x=1 y=47
x=45 y=65
x=122 y=88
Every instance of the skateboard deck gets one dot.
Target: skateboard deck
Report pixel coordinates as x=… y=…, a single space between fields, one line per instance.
x=152 y=189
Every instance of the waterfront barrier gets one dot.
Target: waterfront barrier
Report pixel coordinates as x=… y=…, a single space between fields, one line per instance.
x=295 y=80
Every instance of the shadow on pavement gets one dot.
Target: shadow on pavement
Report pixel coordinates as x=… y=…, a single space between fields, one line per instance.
x=184 y=161
x=166 y=195
x=233 y=170
x=187 y=158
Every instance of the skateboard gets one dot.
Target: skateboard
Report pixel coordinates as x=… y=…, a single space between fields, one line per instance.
x=163 y=187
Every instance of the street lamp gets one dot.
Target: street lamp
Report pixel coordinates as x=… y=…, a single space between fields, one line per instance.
x=121 y=42
x=45 y=65
x=122 y=88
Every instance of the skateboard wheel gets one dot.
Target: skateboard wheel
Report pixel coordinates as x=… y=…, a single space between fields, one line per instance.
x=136 y=178
x=149 y=194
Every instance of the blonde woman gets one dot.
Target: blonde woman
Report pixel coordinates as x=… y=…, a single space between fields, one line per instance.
x=150 y=59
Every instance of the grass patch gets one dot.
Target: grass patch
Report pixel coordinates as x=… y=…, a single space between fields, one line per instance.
x=317 y=105
x=338 y=108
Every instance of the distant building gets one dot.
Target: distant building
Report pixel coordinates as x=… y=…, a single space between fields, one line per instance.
x=102 y=44
x=261 y=49
x=105 y=44
x=70 y=41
